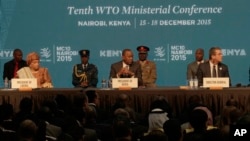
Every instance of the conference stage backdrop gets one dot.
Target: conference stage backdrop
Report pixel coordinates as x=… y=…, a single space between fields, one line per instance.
x=173 y=29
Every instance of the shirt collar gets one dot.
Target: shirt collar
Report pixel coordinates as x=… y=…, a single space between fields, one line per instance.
x=199 y=62
x=124 y=64
x=212 y=64
x=85 y=65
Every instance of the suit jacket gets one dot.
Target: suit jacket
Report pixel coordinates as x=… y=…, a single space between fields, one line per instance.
x=91 y=73
x=52 y=131
x=149 y=74
x=205 y=71
x=192 y=70
x=10 y=66
x=134 y=67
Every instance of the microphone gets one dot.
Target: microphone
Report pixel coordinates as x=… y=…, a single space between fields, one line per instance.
x=238 y=85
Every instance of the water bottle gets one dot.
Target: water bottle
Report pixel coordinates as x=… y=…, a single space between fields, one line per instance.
x=191 y=83
x=195 y=82
x=104 y=83
x=6 y=83
x=110 y=83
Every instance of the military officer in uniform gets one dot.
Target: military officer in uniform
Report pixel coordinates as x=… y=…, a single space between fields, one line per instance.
x=149 y=74
x=85 y=74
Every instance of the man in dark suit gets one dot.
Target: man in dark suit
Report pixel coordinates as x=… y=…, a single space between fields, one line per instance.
x=214 y=67
x=126 y=68
x=11 y=67
x=193 y=66
x=85 y=74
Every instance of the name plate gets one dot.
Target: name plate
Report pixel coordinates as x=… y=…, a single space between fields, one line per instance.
x=24 y=83
x=216 y=82
x=124 y=82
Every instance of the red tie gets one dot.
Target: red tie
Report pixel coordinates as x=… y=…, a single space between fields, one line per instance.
x=15 y=69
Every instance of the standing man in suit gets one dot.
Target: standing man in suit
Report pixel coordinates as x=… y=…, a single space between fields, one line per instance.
x=126 y=68
x=192 y=67
x=149 y=74
x=85 y=74
x=11 y=67
x=213 y=67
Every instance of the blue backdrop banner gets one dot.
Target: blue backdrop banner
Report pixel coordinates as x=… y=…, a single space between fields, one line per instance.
x=173 y=29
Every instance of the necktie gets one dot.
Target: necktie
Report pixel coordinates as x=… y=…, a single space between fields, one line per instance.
x=15 y=69
x=214 y=71
x=125 y=74
x=127 y=67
